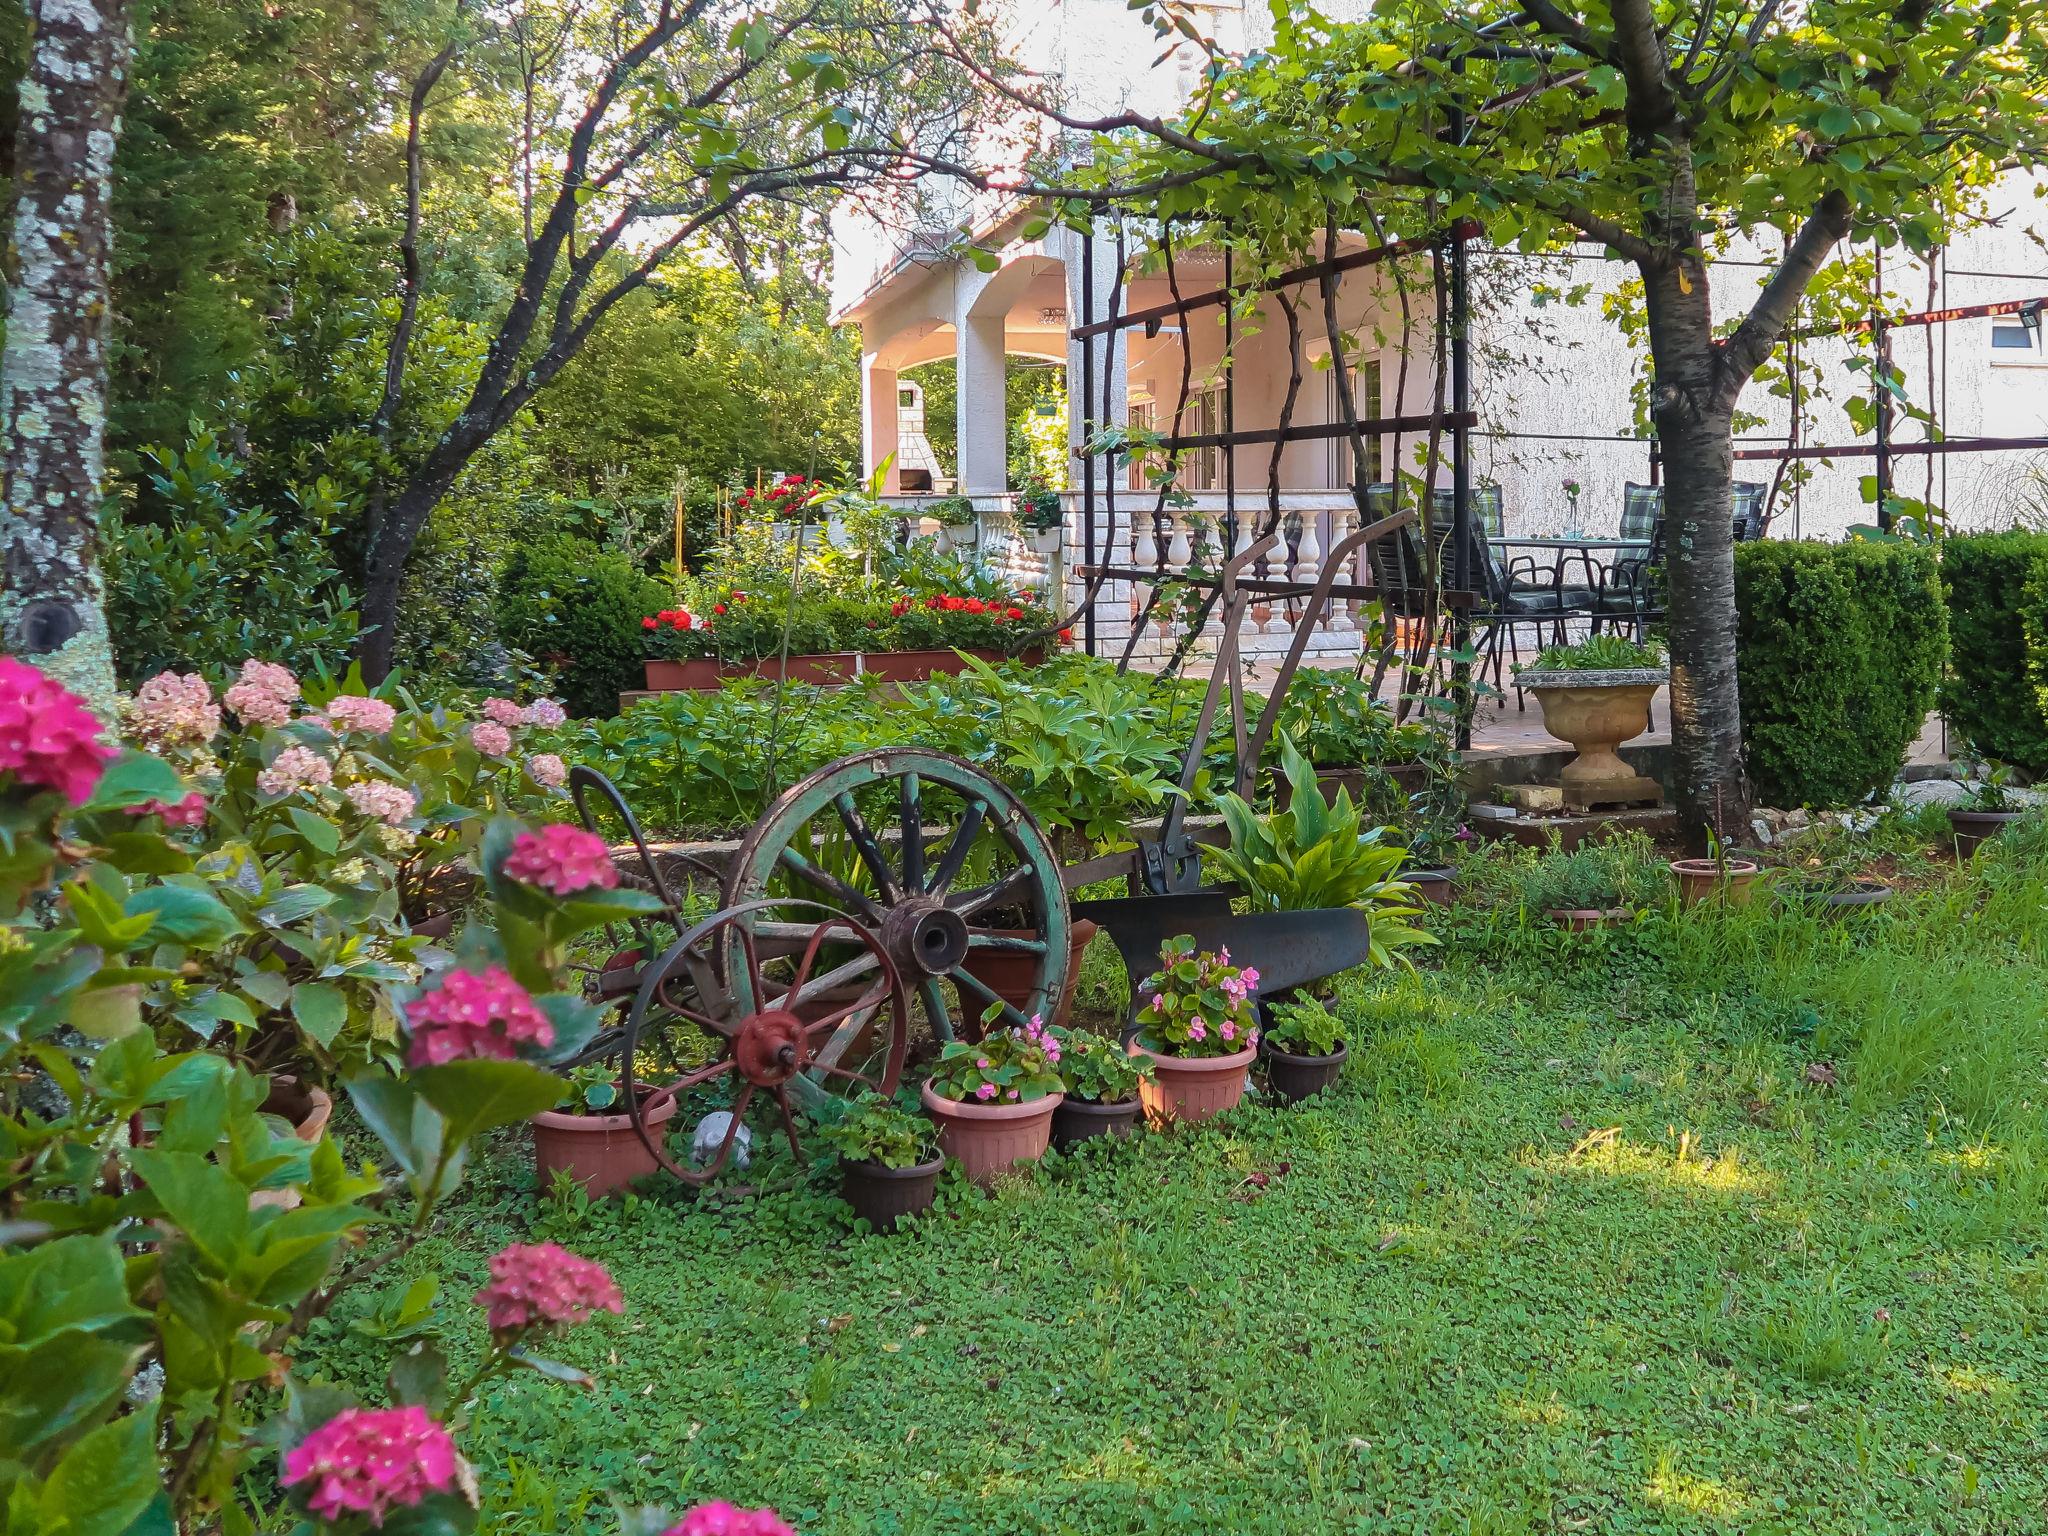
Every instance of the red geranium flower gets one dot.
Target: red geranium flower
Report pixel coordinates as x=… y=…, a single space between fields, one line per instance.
x=1015 y=613
x=718 y=608
x=650 y=623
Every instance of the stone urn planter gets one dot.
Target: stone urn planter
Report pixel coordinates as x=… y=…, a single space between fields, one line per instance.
x=1703 y=879
x=1596 y=711
x=1192 y=1089
x=989 y=1140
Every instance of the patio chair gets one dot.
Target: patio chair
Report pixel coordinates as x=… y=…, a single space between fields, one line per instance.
x=1512 y=593
x=1749 y=509
x=1629 y=591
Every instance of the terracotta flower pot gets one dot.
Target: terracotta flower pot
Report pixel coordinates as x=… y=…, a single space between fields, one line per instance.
x=1008 y=973
x=884 y=1196
x=1078 y=1120
x=990 y=1139
x=1973 y=829
x=1192 y=1088
x=308 y=1109
x=1295 y=1078
x=601 y=1152
x=1583 y=919
x=1703 y=879
x=698 y=674
x=1438 y=887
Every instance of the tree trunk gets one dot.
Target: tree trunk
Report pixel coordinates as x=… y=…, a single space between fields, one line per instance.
x=1696 y=438
x=53 y=374
x=391 y=546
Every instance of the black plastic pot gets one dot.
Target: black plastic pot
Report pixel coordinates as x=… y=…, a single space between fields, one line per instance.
x=883 y=1196
x=1973 y=829
x=1861 y=893
x=1438 y=887
x=1075 y=1121
x=1294 y=1078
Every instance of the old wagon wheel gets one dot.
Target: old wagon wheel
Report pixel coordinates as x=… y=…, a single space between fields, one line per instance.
x=942 y=862
x=759 y=980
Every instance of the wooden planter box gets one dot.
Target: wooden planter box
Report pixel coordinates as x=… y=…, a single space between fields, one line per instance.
x=703 y=674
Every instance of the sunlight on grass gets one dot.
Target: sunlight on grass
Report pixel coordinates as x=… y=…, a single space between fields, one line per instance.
x=1967 y=1381
x=1669 y=1488
x=1680 y=1166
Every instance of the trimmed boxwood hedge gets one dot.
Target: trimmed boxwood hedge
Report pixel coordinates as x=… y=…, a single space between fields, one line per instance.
x=1839 y=649
x=571 y=601
x=1997 y=587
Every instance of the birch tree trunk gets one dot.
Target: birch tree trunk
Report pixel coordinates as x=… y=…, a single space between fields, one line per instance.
x=53 y=371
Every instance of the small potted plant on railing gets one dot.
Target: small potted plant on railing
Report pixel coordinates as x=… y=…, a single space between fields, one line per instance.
x=1041 y=513
x=589 y=1135
x=1987 y=808
x=994 y=1099
x=889 y=1160
x=1102 y=1088
x=958 y=524
x=1303 y=1048
x=1596 y=695
x=1198 y=1026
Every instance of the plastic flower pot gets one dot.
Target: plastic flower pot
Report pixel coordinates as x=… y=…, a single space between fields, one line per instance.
x=307 y=1109
x=600 y=1152
x=1294 y=1078
x=1438 y=887
x=1703 y=879
x=1584 y=919
x=1078 y=1120
x=988 y=1140
x=1009 y=973
x=1192 y=1089
x=1859 y=894
x=1973 y=829
x=698 y=674
x=883 y=1196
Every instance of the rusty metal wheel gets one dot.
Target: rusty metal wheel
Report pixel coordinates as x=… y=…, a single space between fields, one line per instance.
x=796 y=999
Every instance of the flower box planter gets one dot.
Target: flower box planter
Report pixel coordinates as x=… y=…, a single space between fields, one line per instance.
x=988 y=1140
x=1192 y=1089
x=1009 y=973
x=703 y=674
x=601 y=1152
x=1973 y=829
x=698 y=673
x=1701 y=880
x=1294 y=1078
x=1078 y=1120
x=884 y=1196
x=824 y=667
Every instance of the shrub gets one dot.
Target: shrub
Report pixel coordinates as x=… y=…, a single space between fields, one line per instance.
x=1839 y=648
x=573 y=603
x=1997 y=589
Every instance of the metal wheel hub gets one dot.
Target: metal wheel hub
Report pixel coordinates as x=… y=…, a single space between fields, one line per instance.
x=769 y=1048
x=924 y=936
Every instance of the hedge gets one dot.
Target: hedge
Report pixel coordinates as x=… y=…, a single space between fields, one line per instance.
x=1839 y=649
x=1997 y=586
x=571 y=601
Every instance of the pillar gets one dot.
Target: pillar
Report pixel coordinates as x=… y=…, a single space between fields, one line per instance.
x=981 y=406
x=878 y=401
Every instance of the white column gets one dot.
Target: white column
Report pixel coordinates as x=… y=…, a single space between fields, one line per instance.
x=984 y=431
x=1106 y=357
x=878 y=407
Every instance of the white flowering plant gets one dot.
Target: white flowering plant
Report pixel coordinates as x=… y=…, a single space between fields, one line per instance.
x=1197 y=1003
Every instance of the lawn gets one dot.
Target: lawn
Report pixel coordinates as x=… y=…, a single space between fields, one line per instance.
x=1587 y=1239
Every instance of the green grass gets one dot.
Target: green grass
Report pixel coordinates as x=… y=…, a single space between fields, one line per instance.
x=1575 y=1245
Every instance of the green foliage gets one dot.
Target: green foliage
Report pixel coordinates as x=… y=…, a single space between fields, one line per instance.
x=1624 y=870
x=1197 y=1003
x=953 y=511
x=1097 y=1069
x=873 y=1129
x=1598 y=653
x=578 y=607
x=1004 y=1067
x=1839 y=649
x=214 y=579
x=1305 y=1027
x=1336 y=721
x=1996 y=692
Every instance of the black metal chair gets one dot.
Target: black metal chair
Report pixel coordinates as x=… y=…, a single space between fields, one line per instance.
x=1512 y=593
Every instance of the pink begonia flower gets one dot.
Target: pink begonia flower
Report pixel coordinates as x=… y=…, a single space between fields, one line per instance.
x=381 y=800
x=562 y=859
x=505 y=712
x=174 y=710
x=546 y=713
x=1198 y=1030
x=349 y=712
x=985 y=1091
x=475 y=1013
x=188 y=812
x=723 y=1519
x=540 y=1283
x=1249 y=976
x=371 y=1461
x=1014 y=1095
x=547 y=770
x=1228 y=1030
x=981 y=1062
x=294 y=769
x=47 y=735
x=491 y=738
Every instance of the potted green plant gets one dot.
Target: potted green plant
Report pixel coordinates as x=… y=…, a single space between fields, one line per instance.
x=589 y=1135
x=1722 y=875
x=1987 y=808
x=958 y=523
x=1198 y=1027
x=1040 y=512
x=1303 y=1048
x=889 y=1159
x=1101 y=1081
x=1596 y=695
x=994 y=1099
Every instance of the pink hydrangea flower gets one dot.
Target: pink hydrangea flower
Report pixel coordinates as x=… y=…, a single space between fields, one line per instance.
x=723 y=1519
x=491 y=738
x=371 y=1461
x=562 y=859
x=381 y=800
x=540 y=1283
x=505 y=712
x=348 y=712
x=985 y=1091
x=47 y=735
x=294 y=769
x=475 y=1013
x=188 y=812
x=546 y=713
x=547 y=770
x=263 y=695
x=174 y=710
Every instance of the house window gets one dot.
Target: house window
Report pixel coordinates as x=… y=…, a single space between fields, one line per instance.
x=1338 y=465
x=2013 y=340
